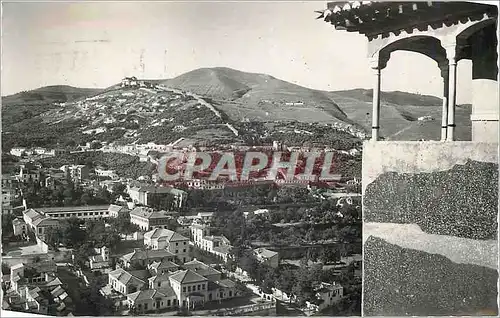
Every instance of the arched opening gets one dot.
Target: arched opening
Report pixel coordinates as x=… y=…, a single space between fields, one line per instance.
x=422 y=116
x=478 y=44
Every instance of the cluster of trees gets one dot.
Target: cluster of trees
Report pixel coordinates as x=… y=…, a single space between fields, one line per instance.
x=241 y=231
x=320 y=136
x=125 y=165
x=83 y=236
x=64 y=195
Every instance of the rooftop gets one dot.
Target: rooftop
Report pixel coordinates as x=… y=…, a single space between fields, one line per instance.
x=149 y=213
x=373 y=18
x=265 y=253
x=73 y=208
x=125 y=277
x=187 y=276
x=171 y=236
x=146 y=254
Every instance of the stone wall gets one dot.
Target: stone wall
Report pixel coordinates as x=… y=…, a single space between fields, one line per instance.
x=430 y=228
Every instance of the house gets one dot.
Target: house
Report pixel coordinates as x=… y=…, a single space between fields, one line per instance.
x=77 y=173
x=101 y=260
x=327 y=295
x=130 y=82
x=40 y=273
x=28 y=174
x=52 y=300
x=190 y=288
x=20 y=228
x=205 y=216
x=115 y=210
x=203 y=269
x=150 y=195
x=181 y=288
x=126 y=282
x=146 y=257
x=162 y=267
x=18 y=152
x=106 y=173
x=152 y=299
x=268 y=257
x=217 y=245
x=171 y=241
x=39 y=223
x=256 y=212
x=148 y=219
x=80 y=212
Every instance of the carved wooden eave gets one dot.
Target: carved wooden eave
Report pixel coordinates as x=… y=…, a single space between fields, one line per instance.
x=380 y=18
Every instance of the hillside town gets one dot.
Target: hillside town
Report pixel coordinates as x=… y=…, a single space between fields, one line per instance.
x=81 y=237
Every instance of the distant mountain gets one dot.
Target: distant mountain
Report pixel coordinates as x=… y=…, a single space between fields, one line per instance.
x=400 y=113
x=49 y=94
x=259 y=97
x=238 y=107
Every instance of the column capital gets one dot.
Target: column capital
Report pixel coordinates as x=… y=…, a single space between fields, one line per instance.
x=379 y=61
x=451 y=52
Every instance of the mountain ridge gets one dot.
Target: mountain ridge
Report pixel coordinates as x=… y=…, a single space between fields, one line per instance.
x=257 y=97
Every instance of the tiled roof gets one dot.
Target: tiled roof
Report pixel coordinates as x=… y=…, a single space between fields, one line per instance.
x=125 y=277
x=153 y=189
x=224 y=249
x=200 y=268
x=149 y=213
x=170 y=235
x=226 y=283
x=265 y=253
x=164 y=264
x=18 y=222
x=45 y=220
x=43 y=267
x=151 y=294
x=33 y=214
x=159 y=278
x=146 y=254
x=187 y=276
x=117 y=208
x=73 y=208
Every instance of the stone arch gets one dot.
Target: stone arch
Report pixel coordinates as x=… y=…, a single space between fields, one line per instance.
x=427 y=45
x=466 y=30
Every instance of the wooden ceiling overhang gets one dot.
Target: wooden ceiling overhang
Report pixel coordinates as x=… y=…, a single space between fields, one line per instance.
x=379 y=18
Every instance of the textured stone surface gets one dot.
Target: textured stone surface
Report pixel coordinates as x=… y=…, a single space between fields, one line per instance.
x=399 y=282
x=462 y=201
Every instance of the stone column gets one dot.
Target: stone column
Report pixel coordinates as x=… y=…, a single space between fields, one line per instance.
x=444 y=118
x=375 y=65
x=452 y=90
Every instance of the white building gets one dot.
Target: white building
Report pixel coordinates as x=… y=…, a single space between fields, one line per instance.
x=328 y=294
x=148 y=218
x=80 y=212
x=217 y=245
x=171 y=241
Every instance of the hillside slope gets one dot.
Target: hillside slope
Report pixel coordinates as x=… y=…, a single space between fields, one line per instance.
x=399 y=113
x=259 y=97
x=49 y=94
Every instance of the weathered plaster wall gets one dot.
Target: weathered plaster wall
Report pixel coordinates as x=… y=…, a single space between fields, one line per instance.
x=430 y=228
x=416 y=157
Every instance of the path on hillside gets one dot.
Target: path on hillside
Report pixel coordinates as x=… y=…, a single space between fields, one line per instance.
x=203 y=102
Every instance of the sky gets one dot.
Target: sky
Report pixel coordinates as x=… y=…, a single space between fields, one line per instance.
x=96 y=44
